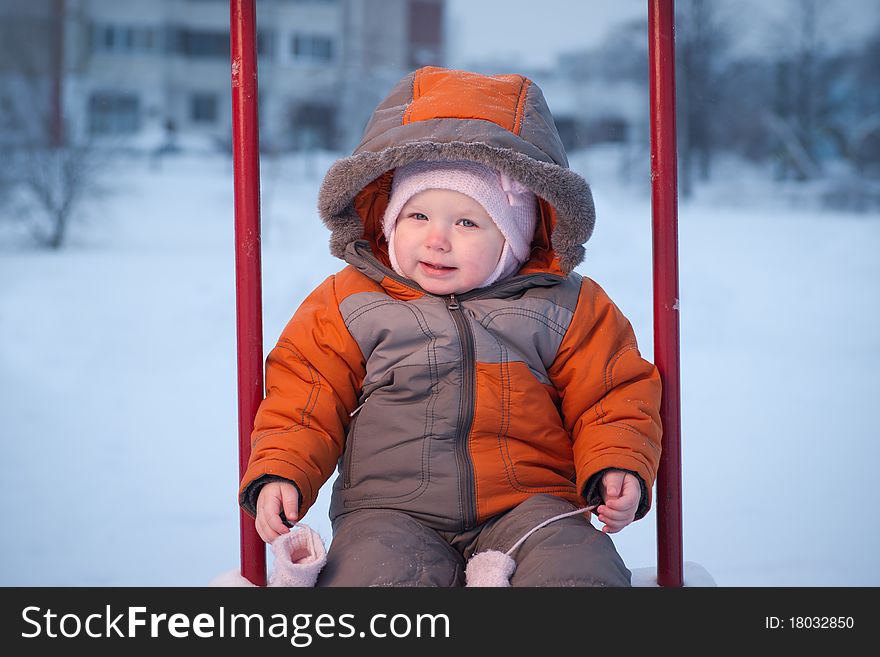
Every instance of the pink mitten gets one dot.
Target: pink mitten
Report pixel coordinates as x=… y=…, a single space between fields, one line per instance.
x=490 y=568
x=494 y=568
x=299 y=557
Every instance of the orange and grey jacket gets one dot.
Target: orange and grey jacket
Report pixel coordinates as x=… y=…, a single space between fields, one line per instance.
x=455 y=408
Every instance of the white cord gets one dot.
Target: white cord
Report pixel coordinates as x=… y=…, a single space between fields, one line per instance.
x=547 y=522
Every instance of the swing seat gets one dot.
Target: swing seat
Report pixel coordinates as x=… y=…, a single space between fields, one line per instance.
x=695 y=576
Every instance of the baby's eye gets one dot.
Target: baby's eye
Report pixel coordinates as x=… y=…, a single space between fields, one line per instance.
x=467 y=223
x=419 y=216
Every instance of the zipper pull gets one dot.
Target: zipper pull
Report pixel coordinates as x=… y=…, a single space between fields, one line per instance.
x=453 y=304
x=355 y=411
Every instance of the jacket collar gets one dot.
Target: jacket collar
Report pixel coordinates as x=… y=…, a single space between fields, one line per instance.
x=359 y=254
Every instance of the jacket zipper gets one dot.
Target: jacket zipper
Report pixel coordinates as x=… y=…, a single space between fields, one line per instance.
x=465 y=421
x=463 y=456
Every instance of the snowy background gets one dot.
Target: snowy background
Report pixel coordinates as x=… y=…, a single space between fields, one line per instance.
x=117 y=371
x=118 y=400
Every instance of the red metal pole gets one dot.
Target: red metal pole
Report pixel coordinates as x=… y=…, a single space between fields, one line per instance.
x=664 y=202
x=248 y=287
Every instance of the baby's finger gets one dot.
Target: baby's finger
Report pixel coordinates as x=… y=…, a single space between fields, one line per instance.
x=622 y=504
x=276 y=524
x=612 y=527
x=612 y=483
x=290 y=507
x=265 y=532
x=612 y=514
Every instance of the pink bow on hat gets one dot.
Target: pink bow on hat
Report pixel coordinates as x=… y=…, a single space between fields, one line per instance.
x=516 y=192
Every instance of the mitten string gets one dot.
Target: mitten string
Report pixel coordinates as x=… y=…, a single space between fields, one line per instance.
x=547 y=522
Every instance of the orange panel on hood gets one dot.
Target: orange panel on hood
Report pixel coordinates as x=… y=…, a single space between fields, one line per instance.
x=440 y=93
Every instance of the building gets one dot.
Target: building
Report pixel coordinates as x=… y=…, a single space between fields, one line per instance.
x=156 y=72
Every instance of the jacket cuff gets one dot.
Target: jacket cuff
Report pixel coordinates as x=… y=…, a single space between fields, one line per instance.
x=248 y=497
x=593 y=496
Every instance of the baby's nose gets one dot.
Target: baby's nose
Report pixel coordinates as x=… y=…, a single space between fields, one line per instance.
x=437 y=239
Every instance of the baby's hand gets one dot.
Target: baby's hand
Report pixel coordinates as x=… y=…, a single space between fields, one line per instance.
x=275 y=497
x=621 y=492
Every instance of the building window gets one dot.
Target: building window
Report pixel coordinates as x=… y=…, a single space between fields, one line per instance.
x=312 y=47
x=7 y=113
x=313 y=125
x=197 y=43
x=114 y=114
x=266 y=44
x=203 y=108
x=209 y=44
x=122 y=39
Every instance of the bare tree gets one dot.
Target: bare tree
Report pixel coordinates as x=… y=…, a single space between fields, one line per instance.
x=701 y=41
x=807 y=72
x=859 y=128
x=49 y=187
x=48 y=174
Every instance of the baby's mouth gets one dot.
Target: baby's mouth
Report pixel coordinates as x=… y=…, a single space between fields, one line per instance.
x=431 y=265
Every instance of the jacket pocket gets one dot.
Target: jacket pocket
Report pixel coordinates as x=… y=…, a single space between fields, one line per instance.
x=387 y=452
x=533 y=445
x=349 y=446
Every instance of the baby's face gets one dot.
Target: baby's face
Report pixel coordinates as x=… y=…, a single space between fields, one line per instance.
x=446 y=242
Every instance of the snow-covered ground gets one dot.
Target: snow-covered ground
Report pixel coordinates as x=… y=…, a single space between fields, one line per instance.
x=117 y=372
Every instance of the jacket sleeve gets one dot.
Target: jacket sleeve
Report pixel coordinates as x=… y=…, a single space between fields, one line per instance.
x=313 y=377
x=609 y=396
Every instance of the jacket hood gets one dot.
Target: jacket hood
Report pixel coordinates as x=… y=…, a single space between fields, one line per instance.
x=433 y=114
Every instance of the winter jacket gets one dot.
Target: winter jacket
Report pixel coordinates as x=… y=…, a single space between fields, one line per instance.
x=455 y=408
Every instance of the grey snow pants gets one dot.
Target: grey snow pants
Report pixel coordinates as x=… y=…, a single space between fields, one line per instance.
x=379 y=547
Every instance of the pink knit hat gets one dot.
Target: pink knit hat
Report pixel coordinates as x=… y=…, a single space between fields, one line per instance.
x=510 y=204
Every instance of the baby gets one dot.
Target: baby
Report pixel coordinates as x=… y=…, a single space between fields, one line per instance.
x=466 y=382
